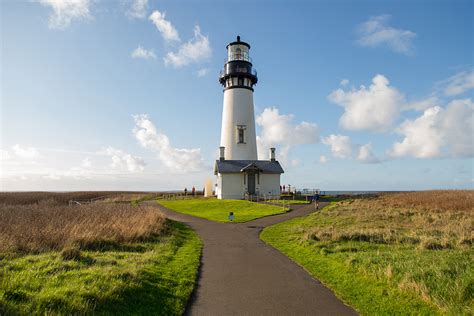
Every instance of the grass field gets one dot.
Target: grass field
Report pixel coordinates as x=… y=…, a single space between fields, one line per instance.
x=98 y=258
x=404 y=253
x=218 y=210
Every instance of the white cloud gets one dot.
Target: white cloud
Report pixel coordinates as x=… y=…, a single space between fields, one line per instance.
x=323 y=159
x=438 y=132
x=176 y=159
x=138 y=9
x=124 y=161
x=423 y=104
x=195 y=50
x=202 y=72
x=344 y=82
x=422 y=137
x=52 y=176
x=25 y=152
x=278 y=130
x=66 y=11
x=375 y=108
x=459 y=83
x=458 y=127
x=143 y=53
x=375 y=32
x=86 y=163
x=341 y=146
x=164 y=26
x=4 y=155
x=365 y=154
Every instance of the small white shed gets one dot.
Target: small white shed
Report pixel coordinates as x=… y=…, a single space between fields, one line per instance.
x=237 y=178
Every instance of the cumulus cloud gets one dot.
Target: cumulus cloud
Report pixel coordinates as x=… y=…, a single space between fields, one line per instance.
x=25 y=152
x=323 y=159
x=375 y=108
x=175 y=159
x=459 y=83
x=143 y=53
x=164 y=26
x=138 y=9
x=341 y=146
x=375 y=32
x=4 y=155
x=124 y=161
x=438 y=132
x=66 y=11
x=365 y=154
x=344 y=82
x=195 y=50
x=278 y=130
x=86 y=163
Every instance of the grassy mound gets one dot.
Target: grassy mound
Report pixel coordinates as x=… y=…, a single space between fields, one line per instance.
x=218 y=210
x=97 y=258
x=407 y=253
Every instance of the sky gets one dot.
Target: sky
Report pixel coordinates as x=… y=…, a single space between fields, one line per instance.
x=124 y=95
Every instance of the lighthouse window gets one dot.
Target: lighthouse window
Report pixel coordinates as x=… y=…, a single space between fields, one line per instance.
x=240 y=134
x=238 y=53
x=241 y=81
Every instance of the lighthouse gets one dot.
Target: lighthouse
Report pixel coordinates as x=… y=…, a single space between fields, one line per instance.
x=239 y=172
x=238 y=120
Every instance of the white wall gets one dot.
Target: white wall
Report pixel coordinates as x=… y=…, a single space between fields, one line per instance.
x=238 y=110
x=269 y=184
x=231 y=185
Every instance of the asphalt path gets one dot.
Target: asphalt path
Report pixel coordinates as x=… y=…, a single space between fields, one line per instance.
x=241 y=275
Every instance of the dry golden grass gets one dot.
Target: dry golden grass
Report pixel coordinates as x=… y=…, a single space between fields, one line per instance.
x=432 y=219
x=48 y=226
x=432 y=201
x=22 y=198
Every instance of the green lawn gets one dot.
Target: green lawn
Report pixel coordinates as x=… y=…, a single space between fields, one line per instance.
x=375 y=275
x=218 y=210
x=156 y=277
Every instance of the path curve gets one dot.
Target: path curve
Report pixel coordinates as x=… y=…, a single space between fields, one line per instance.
x=241 y=275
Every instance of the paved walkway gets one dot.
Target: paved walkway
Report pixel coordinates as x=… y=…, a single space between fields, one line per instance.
x=241 y=275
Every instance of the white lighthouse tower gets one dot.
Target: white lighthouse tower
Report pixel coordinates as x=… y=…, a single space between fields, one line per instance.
x=238 y=119
x=239 y=172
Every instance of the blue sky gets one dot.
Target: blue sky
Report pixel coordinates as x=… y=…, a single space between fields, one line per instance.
x=355 y=95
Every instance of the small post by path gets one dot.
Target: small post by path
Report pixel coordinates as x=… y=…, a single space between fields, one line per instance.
x=231 y=216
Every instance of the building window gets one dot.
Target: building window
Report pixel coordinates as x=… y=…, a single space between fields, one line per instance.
x=241 y=81
x=240 y=134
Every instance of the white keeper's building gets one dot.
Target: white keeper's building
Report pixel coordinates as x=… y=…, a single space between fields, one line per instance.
x=239 y=172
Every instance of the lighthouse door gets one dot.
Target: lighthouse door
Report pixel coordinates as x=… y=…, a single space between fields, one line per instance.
x=251 y=182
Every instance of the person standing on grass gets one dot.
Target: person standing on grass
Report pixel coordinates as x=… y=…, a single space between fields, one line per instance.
x=194 y=191
x=316 y=200
x=185 y=191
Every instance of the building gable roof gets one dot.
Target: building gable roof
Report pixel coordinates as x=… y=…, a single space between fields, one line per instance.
x=239 y=166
